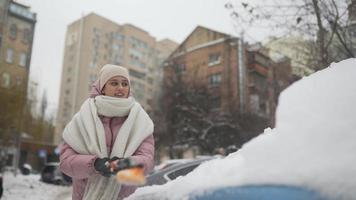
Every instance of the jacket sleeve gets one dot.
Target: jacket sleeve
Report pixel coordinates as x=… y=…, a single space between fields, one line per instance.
x=76 y=165
x=145 y=154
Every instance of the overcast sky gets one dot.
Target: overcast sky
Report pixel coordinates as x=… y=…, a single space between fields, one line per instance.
x=173 y=19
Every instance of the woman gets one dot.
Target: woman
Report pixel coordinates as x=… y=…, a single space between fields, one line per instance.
x=109 y=125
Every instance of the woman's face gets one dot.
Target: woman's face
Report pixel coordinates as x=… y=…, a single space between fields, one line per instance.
x=117 y=86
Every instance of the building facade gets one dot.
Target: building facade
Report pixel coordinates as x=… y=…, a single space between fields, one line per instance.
x=267 y=78
x=93 y=41
x=209 y=58
x=240 y=77
x=301 y=54
x=17 y=26
x=217 y=80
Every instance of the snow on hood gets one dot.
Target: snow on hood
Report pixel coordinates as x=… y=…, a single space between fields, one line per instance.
x=312 y=145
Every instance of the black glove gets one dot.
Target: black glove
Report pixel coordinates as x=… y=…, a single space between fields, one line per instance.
x=102 y=165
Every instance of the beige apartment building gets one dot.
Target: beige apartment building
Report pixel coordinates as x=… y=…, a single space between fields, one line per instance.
x=300 y=54
x=93 y=41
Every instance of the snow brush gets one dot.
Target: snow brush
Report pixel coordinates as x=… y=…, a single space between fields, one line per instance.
x=128 y=172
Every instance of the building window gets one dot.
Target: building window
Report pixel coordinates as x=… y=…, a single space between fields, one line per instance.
x=18 y=80
x=254 y=103
x=5 y=80
x=136 y=57
x=137 y=43
x=117 y=36
x=71 y=58
x=23 y=58
x=215 y=79
x=0 y=40
x=216 y=103
x=26 y=37
x=13 y=31
x=214 y=59
x=180 y=67
x=262 y=60
x=150 y=81
x=9 y=55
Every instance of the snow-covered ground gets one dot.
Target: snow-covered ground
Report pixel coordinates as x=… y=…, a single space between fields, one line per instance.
x=31 y=188
x=312 y=145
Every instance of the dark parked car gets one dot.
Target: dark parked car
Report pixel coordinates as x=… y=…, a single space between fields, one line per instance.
x=52 y=174
x=172 y=172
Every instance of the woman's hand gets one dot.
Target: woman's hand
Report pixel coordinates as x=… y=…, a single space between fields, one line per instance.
x=102 y=165
x=105 y=165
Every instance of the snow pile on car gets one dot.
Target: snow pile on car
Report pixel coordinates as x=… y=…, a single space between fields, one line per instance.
x=312 y=145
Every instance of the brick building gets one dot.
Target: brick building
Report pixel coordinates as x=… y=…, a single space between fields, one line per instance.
x=244 y=81
x=17 y=26
x=210 y=58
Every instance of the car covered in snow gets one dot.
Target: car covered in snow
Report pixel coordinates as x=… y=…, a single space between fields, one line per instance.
x=309 y=154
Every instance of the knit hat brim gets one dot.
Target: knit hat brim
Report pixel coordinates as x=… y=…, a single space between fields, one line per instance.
x=108 y=71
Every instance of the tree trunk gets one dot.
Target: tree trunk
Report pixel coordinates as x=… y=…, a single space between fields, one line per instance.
x=323 y=54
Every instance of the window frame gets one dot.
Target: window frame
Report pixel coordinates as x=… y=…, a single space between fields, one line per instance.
x=13 y=31
x=5 y=80
x=23 y=59
x=10 y=55
x=215 y=79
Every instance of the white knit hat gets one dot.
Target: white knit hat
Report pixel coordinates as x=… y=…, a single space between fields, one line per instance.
x=108 y=71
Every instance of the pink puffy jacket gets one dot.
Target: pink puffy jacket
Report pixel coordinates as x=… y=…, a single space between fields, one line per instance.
x=80 y=167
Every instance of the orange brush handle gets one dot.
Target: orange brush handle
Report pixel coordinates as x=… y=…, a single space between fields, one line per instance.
x=131 y=176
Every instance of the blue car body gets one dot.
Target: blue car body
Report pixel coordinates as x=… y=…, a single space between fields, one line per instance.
x=263 y=192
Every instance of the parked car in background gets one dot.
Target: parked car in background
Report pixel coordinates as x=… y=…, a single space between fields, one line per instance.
x=1 y=185
x=174 y=170
x=26 y=169
x=52 y=174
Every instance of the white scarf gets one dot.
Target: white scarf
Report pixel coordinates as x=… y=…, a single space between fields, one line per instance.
x=85 y=134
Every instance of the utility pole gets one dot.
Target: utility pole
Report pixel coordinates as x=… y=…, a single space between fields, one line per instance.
x=242 y=74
